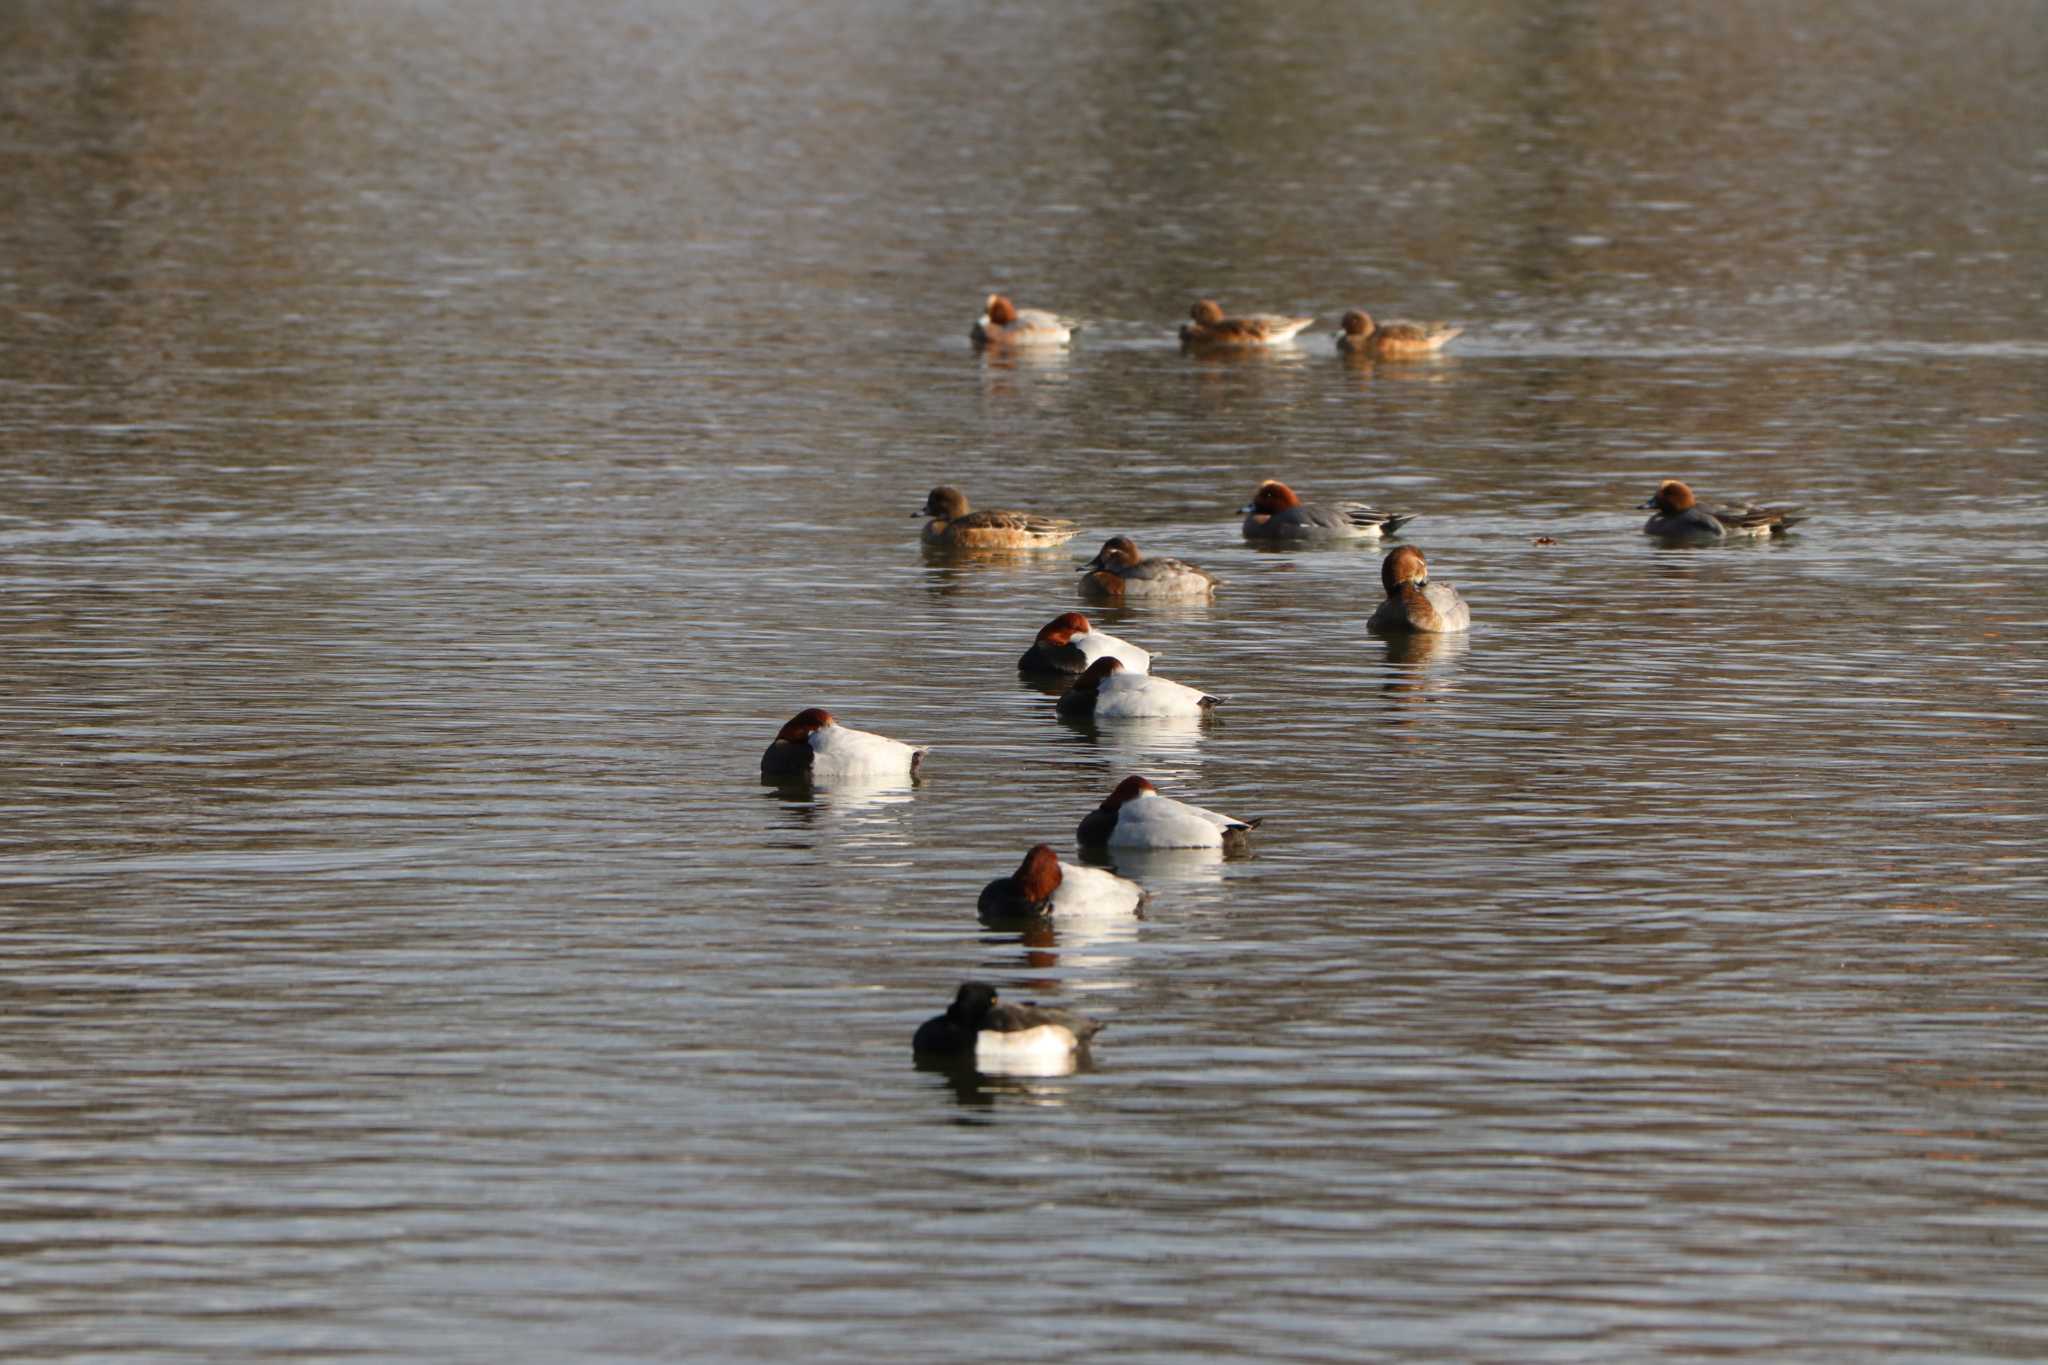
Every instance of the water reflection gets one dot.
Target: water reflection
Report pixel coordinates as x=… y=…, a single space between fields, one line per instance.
x=1422 y=663
x=1161 y=866
x=1133 y=741
x=862 y=811
x=982 y=1090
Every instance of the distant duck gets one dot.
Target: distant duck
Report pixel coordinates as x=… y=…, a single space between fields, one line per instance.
x=1413 y=602
x=1068 y=644
x=953 y=526
x=1119 y=572
x=1005 y=324
x=1004 y=1039
x=1392 y=340
x=815 y=745
x=1276 y=512
x=1135 y=815
x=1108 y=691
x=1043 y=885
x=1679 y=517
x=1209 y=327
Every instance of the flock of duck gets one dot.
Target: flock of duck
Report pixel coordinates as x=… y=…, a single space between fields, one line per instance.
x=1112 y=678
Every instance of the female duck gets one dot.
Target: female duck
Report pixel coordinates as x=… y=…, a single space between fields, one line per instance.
x=1107 y=691
x=1207 y=326
x=1068 y=644
x=1679 y=517
x=1392 y=340
x=1043 y=885
x=814 y=745
x=1004 y=1038
x=1005 y=324
x=1276 y=512
x=1135 y=815
x=1118 y=572
x=954 y=527
x=1413 y=602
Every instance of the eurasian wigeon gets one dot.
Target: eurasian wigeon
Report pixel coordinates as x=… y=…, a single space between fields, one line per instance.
x=953 y=526
x=1119 y=572
x=1413 y=602
x=1004 y=1039
x=813 y=744
x=1679 y=516
x=1207 y=326
x=1005 y=324
x=1068 y=644
x=1135 y=815
x=1108 y=691
x=1043 y=885
x=1276 y=512
x=1392 y=340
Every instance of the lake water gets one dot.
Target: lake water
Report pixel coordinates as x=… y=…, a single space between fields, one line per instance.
x=441 y=443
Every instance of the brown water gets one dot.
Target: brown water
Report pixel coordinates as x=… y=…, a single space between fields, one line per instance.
x=440 y=444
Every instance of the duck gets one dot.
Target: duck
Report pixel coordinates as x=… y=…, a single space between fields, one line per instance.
x=1678 y=516
x=1000 y=1038
x=813 y=744
x=1068 y=644
x=1135 y=815
x=1109 y=691
x=1119 y=571
x=1208 y=326
x=1392 y=340
x=1043 y=885
x=1003 y=323
x=953 y=526
x=1413 y=602
x=1276 y=512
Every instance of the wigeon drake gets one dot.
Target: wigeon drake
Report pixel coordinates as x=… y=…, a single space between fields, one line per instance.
x=1135 y=815
x=1043 y=885
x=1118 y=572
x=1068 y=644
x=813 y=744
x=1276 y=512
x=1005 y=324
x=1413 y=602
x=1208 y=326
x=1679 y=516
x=952 y=525
x=1108 y=691
x=1392 y=340
x=998 y=1038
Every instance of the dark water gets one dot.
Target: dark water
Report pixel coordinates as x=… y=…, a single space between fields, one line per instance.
x=439 y=444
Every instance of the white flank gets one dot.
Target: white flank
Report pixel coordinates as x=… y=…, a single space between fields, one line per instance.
x=1094 y=645
x=1090 y=892
x=844 y=752
x=1123 y=695
x=1154 y=821
x=1047 y=1050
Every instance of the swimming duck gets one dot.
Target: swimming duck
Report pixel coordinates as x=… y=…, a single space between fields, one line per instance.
x=813 y=744
x=1207 y=326
x=953 y=526
x=1005 y=324
x=1135 y=815
x=1107 y=691
x=1276 y=512
x=1392 y=340
x=1004 y=1038
x=1118 y=572
x=1413 y=602
x=1068 y=644
x=1043 y=885
x=1678 y=516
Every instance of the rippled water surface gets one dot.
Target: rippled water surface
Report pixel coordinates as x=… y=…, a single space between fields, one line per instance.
x=440 y=443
